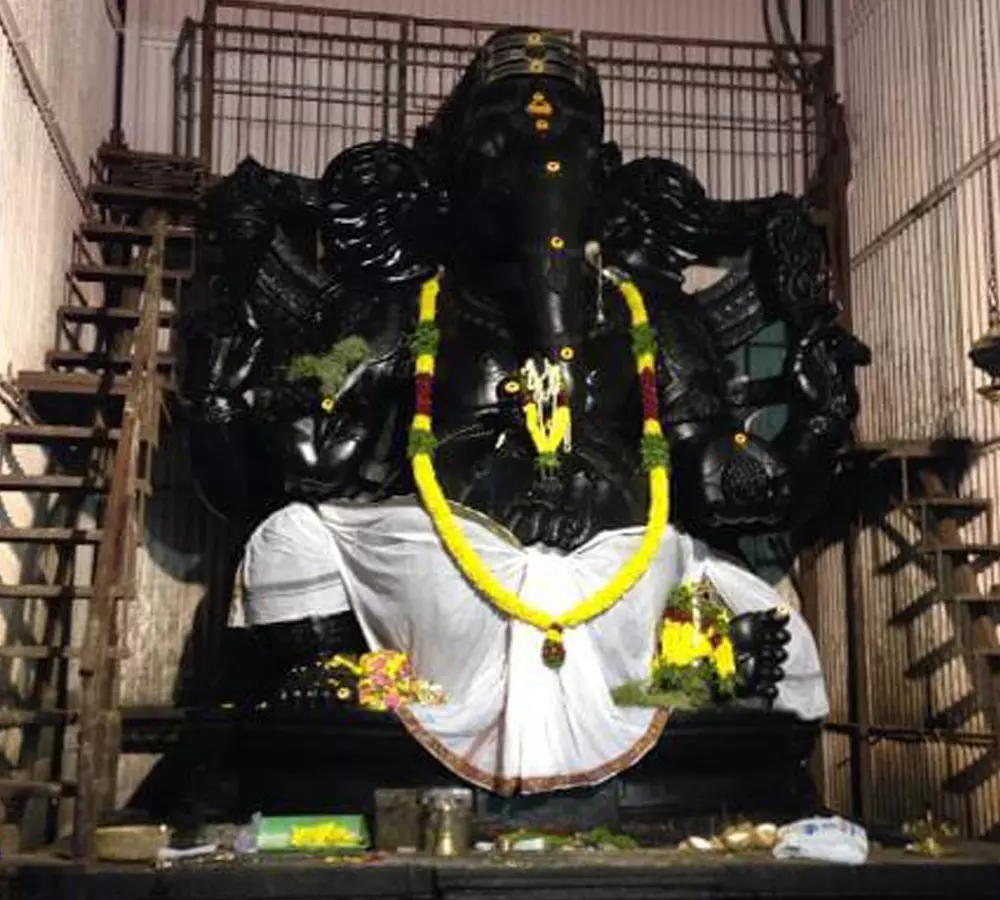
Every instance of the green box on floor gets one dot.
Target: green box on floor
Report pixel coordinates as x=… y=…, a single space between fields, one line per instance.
x=305 y=833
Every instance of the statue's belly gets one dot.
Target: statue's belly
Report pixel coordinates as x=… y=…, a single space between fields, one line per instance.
x=485 y=457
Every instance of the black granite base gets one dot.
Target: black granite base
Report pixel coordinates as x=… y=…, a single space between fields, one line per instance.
x=706 y=768
x=970 y=877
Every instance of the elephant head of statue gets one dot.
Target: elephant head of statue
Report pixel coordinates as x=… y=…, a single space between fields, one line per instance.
x=519 y=144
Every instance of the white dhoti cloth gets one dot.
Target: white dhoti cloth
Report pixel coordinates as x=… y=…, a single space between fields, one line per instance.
x=510 y=724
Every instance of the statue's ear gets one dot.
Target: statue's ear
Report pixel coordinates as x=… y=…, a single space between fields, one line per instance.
x=611 y=157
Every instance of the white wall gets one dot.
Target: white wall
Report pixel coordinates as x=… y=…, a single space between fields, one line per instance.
x=65 y=49
x=68 y=50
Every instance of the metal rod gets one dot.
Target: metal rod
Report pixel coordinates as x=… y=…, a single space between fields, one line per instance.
x=207 y=111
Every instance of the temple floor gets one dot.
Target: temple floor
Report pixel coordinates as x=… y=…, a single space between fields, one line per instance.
x=973 y=872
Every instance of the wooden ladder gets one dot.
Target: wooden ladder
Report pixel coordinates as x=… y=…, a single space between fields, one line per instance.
x=79 y=461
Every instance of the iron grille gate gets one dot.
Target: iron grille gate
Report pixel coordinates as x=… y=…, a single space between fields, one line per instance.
x=294 y=85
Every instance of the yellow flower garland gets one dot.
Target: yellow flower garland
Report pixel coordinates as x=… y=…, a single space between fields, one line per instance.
x=452 y=535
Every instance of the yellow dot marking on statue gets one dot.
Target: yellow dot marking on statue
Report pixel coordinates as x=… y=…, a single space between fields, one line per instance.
x=556 y=242
x=425 y=364
x=538 y=96
x=740 y=439
x=512 y=387
x=567 y=354
x=651 y=428
x=422 y=422
x=553 y=166
x=539 y=108
x=536 y=67
x=534 y=39
x=327 y=404
x=542 y=125
x=646 y=361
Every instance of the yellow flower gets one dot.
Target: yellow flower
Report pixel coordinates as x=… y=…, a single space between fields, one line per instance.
x=323 y=834
x=725 y=660
x=681 y=644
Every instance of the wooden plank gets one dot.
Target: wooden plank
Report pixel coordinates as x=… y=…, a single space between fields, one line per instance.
x=50 y=535
x=83 y=359
x=100 y=232
x=17 y=787
x=111 y=195
x=808 y=583
x=83 y=384
x=963 y=509
x=957 y=547
x=115 y=153
x=58 y=434
x=44 y=592
x=39 y=483
x=40 y=651
x=100 y=315
x=88 y=273
x=910 y=449
x=859 y=705
x=22 y=718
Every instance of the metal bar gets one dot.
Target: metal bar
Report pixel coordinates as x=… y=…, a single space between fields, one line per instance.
x=692 y=41
x=907 y=732
x=280 y=7
x=191 y=117
x=207 y=111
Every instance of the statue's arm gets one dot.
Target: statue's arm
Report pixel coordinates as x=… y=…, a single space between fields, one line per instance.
x=729 y=477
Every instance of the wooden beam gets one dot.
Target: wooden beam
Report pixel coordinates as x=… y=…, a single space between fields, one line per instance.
x=857 y=679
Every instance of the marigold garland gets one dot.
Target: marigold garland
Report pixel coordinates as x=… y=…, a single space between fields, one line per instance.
x=654 y=451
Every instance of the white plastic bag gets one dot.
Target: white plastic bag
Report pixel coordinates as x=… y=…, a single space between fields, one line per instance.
x=828 y=839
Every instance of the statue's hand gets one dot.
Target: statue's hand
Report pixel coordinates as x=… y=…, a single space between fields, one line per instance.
x=551 y=512
x=820 y=368
x=759 y=640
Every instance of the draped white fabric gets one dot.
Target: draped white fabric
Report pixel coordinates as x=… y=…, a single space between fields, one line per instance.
x=510 y=723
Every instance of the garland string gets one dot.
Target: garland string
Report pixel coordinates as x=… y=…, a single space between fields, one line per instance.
x=655 y=456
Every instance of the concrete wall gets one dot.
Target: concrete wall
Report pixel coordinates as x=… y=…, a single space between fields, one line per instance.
x=56 y=99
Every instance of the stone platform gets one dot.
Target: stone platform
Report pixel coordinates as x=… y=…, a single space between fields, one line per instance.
x=648 y=875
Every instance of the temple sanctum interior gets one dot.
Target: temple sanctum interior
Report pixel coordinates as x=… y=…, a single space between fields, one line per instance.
x=463 y=449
